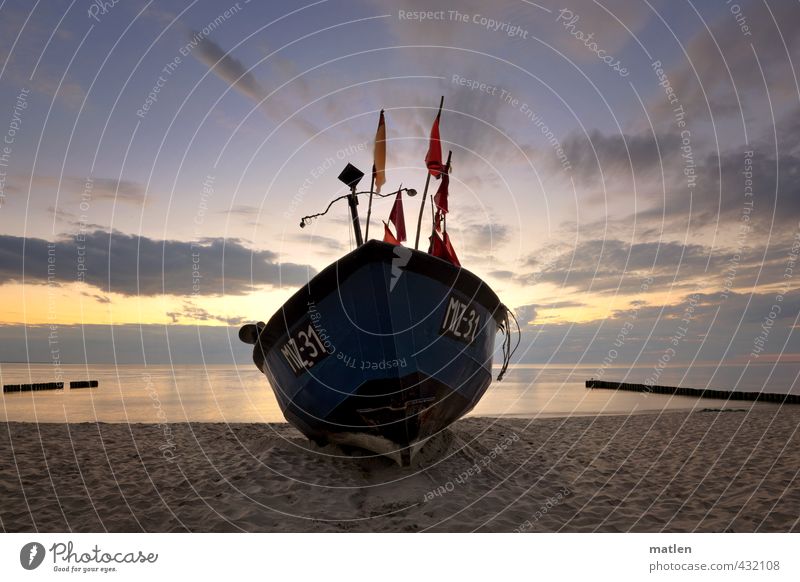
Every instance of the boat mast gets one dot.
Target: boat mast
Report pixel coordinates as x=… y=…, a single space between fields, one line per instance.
x=352 y=176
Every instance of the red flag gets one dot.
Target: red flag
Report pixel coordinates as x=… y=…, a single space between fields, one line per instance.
x=433 y=159
x=438 y=218
x=388 y=236
x=397 y=217
x=440 y=200
x=451 y=251
x=443 y=249
x=379 y=155
x=436 y=247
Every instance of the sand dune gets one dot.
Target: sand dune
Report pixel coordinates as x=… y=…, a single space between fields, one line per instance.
x=704 y=471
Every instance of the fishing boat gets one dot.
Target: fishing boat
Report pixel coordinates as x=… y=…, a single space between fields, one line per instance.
x=388 y=345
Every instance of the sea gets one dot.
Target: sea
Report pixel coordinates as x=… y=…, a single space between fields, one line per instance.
x=240 y=393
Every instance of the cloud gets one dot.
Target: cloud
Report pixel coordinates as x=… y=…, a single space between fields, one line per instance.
x=240 y=77
x=227 y=68
x=127 y=344
x=719 y=338
x=716 y=200
x=27 y=33
x=723 y=61
x=719 y=196
x=96 y=297
x=316 y=241
x=242 y=210
x=526 y=314
x=95 y=189
x=615 y=266
x=131 y=265
x=189 y=311
x=619 y=156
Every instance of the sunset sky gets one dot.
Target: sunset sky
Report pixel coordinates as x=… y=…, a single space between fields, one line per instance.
x=616 y=165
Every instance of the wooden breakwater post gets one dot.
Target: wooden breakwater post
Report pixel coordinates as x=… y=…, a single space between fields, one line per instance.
x=697 y=393
x=83 y=384
x=33 y=387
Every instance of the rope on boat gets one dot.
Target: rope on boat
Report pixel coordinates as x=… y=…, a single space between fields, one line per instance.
x=508 y=352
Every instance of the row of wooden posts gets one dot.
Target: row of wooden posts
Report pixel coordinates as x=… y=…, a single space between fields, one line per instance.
x=49 y=386
x=698 y=393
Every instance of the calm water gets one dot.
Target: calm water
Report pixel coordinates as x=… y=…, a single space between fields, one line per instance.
x=241 y=393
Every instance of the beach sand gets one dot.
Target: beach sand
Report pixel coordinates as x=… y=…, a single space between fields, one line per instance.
x=705 y=471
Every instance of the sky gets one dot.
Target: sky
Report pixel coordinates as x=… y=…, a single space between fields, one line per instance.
x=626 y=174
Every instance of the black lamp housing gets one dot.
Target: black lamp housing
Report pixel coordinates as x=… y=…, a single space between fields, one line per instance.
x=351 y=176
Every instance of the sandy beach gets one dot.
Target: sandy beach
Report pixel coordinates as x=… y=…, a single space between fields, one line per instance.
x=707 y=471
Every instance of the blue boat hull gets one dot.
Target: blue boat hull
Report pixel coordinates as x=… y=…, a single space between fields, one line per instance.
x=383 y=349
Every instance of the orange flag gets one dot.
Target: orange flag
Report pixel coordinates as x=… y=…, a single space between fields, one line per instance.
x=388 y=236
x=379 y=155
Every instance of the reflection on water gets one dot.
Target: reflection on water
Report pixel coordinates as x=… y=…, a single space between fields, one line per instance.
x=241 y=394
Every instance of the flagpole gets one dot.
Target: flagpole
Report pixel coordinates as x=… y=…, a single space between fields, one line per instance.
x=422 y=209
x=381 y=124
x=369 y=207
x=427 y=183
x=433 y=208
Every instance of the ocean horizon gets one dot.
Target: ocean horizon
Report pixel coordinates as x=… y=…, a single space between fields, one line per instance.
x=241 y=394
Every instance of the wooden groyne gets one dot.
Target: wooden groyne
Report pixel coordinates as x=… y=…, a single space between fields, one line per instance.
x=83 y=384
x=697 y=393
x=35 y=387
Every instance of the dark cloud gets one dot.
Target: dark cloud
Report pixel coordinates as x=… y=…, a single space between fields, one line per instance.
x=189 y=311
x=719 y=198
x=131 y=265
x=227 y=68
x=561 y=304
x=724 y=66
x=240 y=77
x=617 y=156
x=96 y=297
x=483 y=236
x=612 y=265
x=126 y=344
x=668 y=205
x=719 y=338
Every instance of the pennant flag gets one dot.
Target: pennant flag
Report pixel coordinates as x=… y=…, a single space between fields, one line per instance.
x=438 y=218
x=388 y=236
x=379 y=155
x=440 y=200
x=451 y=251
x=397 y=217
x=443 y=249
x=433 y=159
